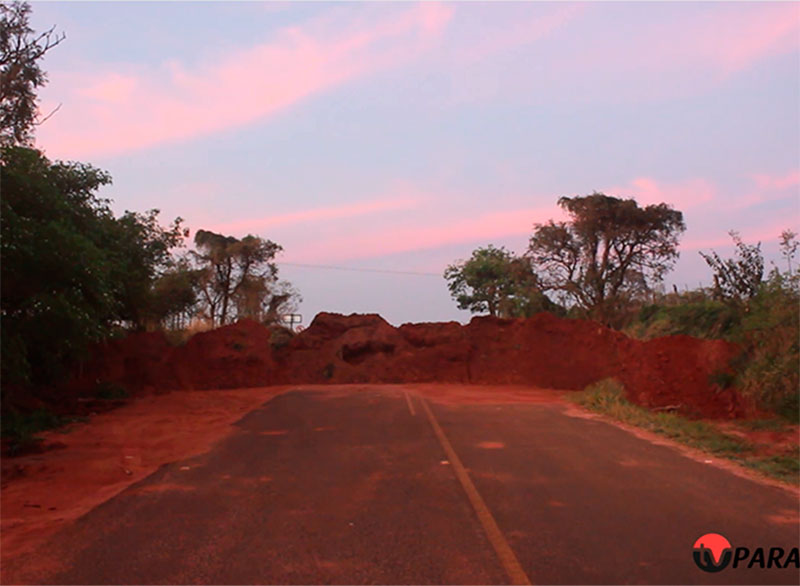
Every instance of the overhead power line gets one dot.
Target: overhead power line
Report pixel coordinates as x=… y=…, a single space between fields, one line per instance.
x=359 y=270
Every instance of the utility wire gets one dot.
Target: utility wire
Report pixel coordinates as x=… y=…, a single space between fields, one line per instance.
x=359 y=270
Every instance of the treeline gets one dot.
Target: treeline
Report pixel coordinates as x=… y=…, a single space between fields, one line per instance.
x=607 y=262
x=609 y=254
x=73 y=273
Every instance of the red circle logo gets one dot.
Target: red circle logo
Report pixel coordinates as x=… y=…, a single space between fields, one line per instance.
x=712 y=552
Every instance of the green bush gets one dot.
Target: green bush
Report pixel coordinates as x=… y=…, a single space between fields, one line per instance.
x=770 y=336
x=702 y=319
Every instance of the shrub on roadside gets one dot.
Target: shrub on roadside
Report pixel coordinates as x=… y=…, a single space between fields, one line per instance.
x=770 y=336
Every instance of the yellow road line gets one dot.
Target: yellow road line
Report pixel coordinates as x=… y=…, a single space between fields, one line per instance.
x=504 y=552
x=410 y=404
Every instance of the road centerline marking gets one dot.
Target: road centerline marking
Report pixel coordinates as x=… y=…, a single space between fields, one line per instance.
x=410 y=404
x=504 y=552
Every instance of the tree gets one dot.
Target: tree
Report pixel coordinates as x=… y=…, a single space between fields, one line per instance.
x=608 y=252
x=739 y=279
x=57 y=295
x=239 y=276
x=173 y=296
x=70 y=269
x=20 y=75
x=495 y=280
x=789 y=246
x=141 y=253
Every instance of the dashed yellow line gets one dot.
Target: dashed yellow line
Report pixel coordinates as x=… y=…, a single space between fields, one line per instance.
x=410 y=404
x=504 y=552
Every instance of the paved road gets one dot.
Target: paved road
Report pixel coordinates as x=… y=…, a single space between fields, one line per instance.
x=365 y=487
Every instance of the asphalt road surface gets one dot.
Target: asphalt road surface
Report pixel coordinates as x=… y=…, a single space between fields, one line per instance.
x=379 y=486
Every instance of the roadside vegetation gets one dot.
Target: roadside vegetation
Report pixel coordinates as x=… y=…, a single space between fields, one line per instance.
x=607 y=397
x=759 y=313
x=74 y=273
x=608 y=262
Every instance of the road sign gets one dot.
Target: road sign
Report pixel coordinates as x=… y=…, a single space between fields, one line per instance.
x=292 y=320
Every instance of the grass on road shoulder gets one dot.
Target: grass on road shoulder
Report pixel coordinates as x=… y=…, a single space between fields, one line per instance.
x=608 y=397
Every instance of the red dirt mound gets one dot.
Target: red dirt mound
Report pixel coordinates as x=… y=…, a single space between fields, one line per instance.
x=137 y=361
x=233 y=356
x=230 y=357
x=543 y=350
x=674 y=372
x=366 y=349
x=678 y=371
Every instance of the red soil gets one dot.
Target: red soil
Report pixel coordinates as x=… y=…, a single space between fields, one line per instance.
x=546 y=351
x=43 y=492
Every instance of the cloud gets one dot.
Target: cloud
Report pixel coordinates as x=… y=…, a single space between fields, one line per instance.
x=767 y=188
x=681 y=195
x=131 y=108
x=382 y=240
x=748 y=36
x=763 y=232
x=765 y=181
x=521 y=32
x=727 y=38
x=658 y=51
x=318 y=215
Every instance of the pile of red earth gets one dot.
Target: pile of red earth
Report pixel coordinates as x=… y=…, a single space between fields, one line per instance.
x=674 y=372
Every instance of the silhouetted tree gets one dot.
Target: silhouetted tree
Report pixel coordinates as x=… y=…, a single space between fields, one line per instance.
x=240 y=276
x=20 y=75
x=608 y=252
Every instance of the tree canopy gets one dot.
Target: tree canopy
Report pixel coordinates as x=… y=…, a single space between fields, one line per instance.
x=239 y=277
x=495 y=280
x=71 y=270
x=608 y=252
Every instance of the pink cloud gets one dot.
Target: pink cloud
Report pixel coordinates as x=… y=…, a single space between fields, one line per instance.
x=768 y=188
x=523 y=32
x=317 y=215
x=112 y=89
x=764 y=232
x=119 y=111
x=674 y=55
x=382 y=240
x=682 y=195
x=729 y=38
x=771 y=182
x=739 y=41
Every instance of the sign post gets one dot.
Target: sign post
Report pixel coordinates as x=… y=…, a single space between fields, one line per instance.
x=292 y=320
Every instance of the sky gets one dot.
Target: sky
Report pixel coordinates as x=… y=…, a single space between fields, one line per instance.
x=402 y=136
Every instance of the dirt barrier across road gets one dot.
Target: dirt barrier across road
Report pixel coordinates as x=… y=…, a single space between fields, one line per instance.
x=357 y=484
x=546 y=351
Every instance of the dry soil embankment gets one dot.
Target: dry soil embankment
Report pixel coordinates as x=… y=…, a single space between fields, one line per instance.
x=544 y=350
